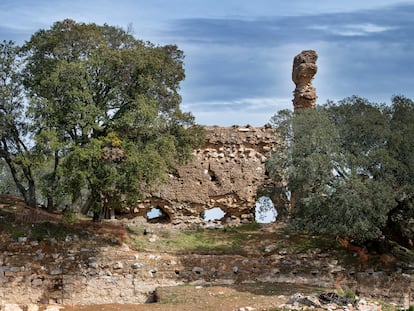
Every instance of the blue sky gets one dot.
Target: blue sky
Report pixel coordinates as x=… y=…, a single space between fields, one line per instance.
x=239 y=53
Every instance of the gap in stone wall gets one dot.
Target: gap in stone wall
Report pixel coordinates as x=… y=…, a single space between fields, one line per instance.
x=156 y=214
x=265 y=211
x=212 y=214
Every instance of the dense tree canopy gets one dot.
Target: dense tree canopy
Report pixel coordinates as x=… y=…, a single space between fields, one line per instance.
x=345 y=167
x=104 y=114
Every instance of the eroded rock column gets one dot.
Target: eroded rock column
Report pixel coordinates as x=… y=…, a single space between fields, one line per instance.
x=303 y=71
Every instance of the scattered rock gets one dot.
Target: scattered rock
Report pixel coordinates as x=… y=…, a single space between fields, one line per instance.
x=137 y=265
x=153 y=238
x=93 y=265
x=12 y=307
x=56 y=271
x=37 y=282
x=148 y=231
x=304 y=300
x=22 y=239
x=68 y=238
x=329 y=298
x=32 y=307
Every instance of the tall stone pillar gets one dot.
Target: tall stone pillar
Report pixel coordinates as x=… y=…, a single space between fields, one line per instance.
x=304 y=69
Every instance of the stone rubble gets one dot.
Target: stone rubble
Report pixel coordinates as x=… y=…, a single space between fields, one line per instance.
x=70 y=274
x=299 y=301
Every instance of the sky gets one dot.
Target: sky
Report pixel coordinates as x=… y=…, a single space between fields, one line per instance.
x=239 y=53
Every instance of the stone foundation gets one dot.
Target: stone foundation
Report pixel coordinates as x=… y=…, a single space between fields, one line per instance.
x=71 y=274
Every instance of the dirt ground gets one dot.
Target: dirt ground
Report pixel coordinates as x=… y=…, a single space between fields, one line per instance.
x=224 y=298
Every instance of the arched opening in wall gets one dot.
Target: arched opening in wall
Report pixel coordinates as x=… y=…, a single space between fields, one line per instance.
x=265 y=211
x=212 y=214
x=156 y=214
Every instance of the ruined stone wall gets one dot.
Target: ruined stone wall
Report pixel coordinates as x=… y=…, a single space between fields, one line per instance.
x=226 y=172
x=73 y=273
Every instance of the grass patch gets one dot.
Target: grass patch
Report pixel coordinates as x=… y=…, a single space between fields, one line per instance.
x=198 y=241
x=17 y=233
x=47 y=230
x=253 y=226
x=245 y=239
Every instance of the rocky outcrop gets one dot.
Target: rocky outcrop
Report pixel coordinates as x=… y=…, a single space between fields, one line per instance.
x=226 y=172
x=304 y=69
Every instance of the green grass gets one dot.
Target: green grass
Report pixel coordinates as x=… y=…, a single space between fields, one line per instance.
x=248 y=238
x=254 y=226
x=200 y=240
x=46 y=230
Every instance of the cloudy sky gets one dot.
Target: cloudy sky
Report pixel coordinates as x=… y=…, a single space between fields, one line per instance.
x=239 y=53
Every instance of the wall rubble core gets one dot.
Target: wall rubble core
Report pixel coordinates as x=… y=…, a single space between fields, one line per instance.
x=227 y=172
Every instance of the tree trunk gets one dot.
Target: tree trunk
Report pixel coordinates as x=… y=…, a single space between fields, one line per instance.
x=32 y=194
x=89 y=202
x=50 y=204
x=29 y=194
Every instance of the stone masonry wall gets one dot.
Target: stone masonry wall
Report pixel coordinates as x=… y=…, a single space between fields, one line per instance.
x=70 y=273
x=227 y=172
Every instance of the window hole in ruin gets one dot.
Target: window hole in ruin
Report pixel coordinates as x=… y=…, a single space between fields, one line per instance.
x=265 y=211
x=156 y=214
x=212 y=176
x=152 y=298
x=212 y=214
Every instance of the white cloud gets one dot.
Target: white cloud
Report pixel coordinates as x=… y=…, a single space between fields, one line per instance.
x=351 y=30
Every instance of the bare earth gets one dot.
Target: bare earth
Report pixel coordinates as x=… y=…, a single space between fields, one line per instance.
x=215 y=298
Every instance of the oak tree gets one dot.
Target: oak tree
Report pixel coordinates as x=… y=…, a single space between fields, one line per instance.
x=105 y=114
x=336 y=166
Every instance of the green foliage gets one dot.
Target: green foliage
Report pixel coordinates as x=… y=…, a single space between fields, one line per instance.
x=103 y=112
x=7 y=185
x=17 y=233
x=70 y=217
x=401 y=145
x=47 y=230
x=349 y=293
x=14 y=147
x=346 y=167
